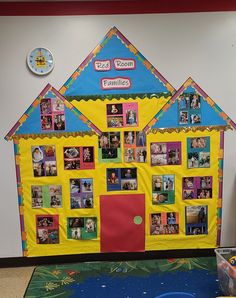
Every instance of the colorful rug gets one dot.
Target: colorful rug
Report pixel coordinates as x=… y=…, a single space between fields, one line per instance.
x=131 y=279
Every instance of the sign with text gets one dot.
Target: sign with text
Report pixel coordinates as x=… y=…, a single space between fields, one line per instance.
x=124 y=64
x=102 y=65
x=115 y=83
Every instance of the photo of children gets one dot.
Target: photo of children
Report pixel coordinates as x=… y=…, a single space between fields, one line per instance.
x=78 y=158
x=164 y=223
x=122 y=179
x=163 y=189
x=198 y=150
x=37 y=196
x=44 y=160
x=197 y=187
x=109 y=147
x=81 y=193
x=189 y=107
x=47 y=229
x=196 y=220
x=122 y=115
x=52 y=114
x=168 y=153
x=135 y=146
x=81 y=228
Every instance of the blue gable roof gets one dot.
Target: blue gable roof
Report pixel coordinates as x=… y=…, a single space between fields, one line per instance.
x=190 y=107
x=59 y=116
x=144 y=78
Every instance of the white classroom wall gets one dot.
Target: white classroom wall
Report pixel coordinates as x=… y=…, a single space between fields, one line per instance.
x=200 y=45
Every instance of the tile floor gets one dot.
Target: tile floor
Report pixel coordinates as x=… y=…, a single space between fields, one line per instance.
x=13 y=281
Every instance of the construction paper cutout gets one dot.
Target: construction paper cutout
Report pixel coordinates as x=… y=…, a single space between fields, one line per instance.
x=144 y=77
x=177 y=113
x=164 y=223
x=196 y=220
x=81 y=193
x=168 y=153
x=163 y=189
x=135 y=146
x=189 y=105
x=118 y=230
x=109 y=147
x=46 y=196
x=198 y=150
x=79 y=158
x=81 y=228
x=122 y=115
x=47 y=227
x=44 y=160
x=122 y=179
x=197 y=187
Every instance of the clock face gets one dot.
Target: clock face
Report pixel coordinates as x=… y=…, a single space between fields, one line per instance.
x=40 y=61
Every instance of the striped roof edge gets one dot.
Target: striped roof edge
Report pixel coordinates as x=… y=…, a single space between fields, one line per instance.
x=37 y=101
x=189 y=82
x=130 y=46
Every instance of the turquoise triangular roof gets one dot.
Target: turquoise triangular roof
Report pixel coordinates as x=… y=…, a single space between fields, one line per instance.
x=86 y=81
x=208 y=113
x=30 y=122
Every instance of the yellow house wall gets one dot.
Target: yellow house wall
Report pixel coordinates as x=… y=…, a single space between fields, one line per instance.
x=96 y=112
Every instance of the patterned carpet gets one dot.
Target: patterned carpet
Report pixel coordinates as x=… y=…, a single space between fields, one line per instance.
x=132 y=279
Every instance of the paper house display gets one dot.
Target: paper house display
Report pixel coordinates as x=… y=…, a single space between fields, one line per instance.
x=117 y=160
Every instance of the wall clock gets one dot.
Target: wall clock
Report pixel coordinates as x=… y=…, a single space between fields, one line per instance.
x=40 y=61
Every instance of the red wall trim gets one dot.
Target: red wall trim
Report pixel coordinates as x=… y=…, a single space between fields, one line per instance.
x=113 y=7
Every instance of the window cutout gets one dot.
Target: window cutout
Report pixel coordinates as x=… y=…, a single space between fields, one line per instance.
x=81 y=228
x=164 y=223
x=122 y=115
x=109 y=147
x=198 y=152
x=46 y=196
x=189 y=109
x=135 y=146
x=196 y=220
x=197 y=187
x=163 y=189
x=122 y=179
x=44 y=160
x=47 y=227
x=168 y=153
x=52 y=114
x=79 y=158
x=81 y=193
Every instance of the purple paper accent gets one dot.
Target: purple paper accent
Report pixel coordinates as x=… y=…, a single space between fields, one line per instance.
x=222 y=138
x=220 y=189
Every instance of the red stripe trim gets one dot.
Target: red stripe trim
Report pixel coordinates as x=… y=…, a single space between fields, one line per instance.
x=112 y=7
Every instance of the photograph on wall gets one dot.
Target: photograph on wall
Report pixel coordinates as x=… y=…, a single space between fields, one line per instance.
x=135 y=146
x=197 y=187
x=198 y=150
x=122 y=179
x=122 y=115
x=47 y=229
x=46 y=196
x=44 y=160
x=109 y=147
x=168 y=153
x=196 y=220
x=81 y=228
x=81 y=193
x=189 y=108
x=79 y=158
x=52 y=114
x=164 y=223
x=163 y=189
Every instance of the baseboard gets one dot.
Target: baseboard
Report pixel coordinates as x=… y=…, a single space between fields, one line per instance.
x=127 y=256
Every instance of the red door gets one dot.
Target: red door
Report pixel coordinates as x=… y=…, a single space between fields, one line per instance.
x=122 y=223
